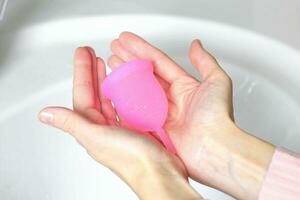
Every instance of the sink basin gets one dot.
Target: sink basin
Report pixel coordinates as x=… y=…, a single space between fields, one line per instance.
x=38 y=162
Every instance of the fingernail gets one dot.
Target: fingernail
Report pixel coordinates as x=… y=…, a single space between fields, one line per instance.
x=46 y=117
x=87 y=47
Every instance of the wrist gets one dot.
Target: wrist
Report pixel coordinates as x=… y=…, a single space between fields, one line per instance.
x=168 y=188
x=236 y=161
x=161 y=181
x=249 y=158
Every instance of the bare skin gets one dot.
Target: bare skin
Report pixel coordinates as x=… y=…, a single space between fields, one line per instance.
x=212 y=149
x=137 y=158
x=200 y=121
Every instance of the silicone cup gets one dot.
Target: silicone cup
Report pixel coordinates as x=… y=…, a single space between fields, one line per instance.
x=138 y=98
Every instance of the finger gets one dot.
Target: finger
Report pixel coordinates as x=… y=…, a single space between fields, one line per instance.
x=69 y=121
x=164 y=84
x=83 y=85
x=205 y=63
x=164 y=66
x=117 y=49
x=107 y=110
x=114 y=62
x=95 y=78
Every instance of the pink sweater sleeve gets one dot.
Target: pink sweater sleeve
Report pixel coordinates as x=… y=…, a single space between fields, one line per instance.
x=282 y=181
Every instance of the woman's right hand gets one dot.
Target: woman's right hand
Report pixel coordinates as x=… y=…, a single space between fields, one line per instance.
x=200 y=121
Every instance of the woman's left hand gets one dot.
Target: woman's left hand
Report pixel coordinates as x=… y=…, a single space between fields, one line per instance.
x=137 y=158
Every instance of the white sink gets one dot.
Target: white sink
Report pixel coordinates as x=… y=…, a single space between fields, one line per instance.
x=38 y=162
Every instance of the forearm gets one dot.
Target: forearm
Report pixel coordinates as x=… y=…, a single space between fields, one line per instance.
x=236 y=163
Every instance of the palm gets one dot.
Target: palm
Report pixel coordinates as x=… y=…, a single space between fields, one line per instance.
x=196 y=104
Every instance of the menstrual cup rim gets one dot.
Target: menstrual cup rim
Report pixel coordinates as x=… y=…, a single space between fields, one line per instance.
x=124 y=70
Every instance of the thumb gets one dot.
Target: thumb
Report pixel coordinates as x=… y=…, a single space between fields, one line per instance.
x=204 y=62
x=67 y=120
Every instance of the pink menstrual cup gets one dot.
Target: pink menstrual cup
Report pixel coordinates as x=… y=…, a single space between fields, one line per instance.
x=139 y=98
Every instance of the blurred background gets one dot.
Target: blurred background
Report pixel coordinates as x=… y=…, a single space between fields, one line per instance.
x=279 y=19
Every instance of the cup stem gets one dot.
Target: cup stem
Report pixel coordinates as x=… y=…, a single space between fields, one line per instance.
x=164 y=137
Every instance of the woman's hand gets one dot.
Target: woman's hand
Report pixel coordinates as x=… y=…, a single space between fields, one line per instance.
x=137 y=158
x=200 y=121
